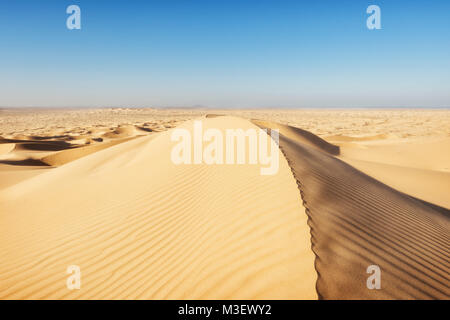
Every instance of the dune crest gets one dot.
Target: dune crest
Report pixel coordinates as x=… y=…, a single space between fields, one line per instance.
x=304 y=136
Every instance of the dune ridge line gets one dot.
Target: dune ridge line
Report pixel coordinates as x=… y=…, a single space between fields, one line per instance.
x=356 y=221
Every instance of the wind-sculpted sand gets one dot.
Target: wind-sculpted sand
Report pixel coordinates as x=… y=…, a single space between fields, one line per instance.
x=357 y=221
x=141 y=227
x=98 y=189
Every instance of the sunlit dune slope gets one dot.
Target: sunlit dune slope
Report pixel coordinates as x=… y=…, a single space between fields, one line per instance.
x=141 y=227
x=418 y=168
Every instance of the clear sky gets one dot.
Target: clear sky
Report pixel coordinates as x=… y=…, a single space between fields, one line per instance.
x=225 y=53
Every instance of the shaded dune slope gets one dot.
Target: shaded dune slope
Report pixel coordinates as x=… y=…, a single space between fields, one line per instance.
x=141 y=227
x=357 y=221
x=300 y=135
x=66 y=156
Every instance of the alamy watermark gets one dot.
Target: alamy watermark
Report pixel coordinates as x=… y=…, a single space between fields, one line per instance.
x=374 y=280
x=238 y=146
x=74 y=20
x=374 y=20
x=74 y=280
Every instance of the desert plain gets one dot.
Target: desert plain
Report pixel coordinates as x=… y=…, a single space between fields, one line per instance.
x=96 y=188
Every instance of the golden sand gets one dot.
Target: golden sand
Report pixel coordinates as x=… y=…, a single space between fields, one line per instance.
x=97 y=188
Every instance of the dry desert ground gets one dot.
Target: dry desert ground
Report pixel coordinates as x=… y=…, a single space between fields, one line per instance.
x=97 y=188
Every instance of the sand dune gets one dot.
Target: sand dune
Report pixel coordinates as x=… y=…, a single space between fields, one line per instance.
x=428 y=185
x=301 y=135
x=141 y=227
x=357 y=221
x=418 y=168
x=121 y=132
x=57 y=150
x=428 y=155
x=97 y=189
x=66 y=156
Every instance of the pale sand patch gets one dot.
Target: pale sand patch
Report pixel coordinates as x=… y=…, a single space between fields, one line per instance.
x=10 y=175
x=418 y=168
x=6 y=148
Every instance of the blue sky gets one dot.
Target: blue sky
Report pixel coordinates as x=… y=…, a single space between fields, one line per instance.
x=225 y=53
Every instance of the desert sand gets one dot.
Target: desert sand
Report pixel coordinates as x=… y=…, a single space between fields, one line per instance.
x=97 y=188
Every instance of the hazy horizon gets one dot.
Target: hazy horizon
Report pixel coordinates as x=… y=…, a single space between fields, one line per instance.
x=223 y=108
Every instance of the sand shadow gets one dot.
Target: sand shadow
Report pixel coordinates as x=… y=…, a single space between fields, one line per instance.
x=25 y=162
